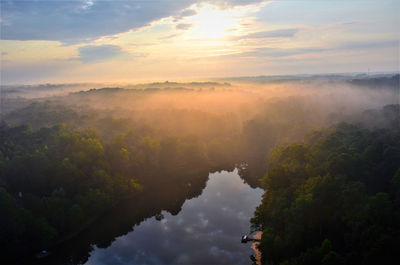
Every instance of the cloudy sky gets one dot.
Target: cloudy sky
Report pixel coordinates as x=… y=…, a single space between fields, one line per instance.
x=143 y=40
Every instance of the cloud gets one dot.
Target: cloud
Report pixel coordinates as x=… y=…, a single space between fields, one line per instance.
x=97 y=53
x=232 y=3
x=371 y=44
x=280 y=33
x=168 y=37
x=183 y=26
x=287 y=52
x=79 y=20
x=185 y=13
x=76 y=21
x=276 y=52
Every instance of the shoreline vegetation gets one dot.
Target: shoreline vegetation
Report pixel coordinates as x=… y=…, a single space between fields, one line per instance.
x=255 y=248
x=333 y=199
x=65 y=161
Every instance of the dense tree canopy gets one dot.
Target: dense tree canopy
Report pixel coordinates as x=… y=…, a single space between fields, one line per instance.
x=67 y=161
x=56 y=181
x=333 y=200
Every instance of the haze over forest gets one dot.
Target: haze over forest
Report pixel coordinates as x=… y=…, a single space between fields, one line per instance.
x=160 y=132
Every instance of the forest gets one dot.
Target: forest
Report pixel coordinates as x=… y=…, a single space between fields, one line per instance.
x=333 y=199
x=329 y=148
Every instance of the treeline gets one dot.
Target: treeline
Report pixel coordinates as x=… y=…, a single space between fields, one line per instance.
x=55 y=181
x=334 y=199
x=85 y=153
x=227 y=139
x=378 y=82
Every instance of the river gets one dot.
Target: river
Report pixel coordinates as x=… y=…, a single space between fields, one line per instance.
x=206 y=231
x=198 y=221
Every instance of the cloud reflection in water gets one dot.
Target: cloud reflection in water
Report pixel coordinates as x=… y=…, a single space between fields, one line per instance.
x=206 y=231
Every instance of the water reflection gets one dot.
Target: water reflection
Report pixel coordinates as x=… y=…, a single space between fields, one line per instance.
x=206 y=231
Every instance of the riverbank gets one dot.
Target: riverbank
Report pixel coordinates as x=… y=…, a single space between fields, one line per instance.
x=254 y=246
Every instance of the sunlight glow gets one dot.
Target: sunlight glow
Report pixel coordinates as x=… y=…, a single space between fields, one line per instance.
x=213 y=23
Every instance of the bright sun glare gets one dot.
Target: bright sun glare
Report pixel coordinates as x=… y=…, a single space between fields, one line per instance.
x=213 y=23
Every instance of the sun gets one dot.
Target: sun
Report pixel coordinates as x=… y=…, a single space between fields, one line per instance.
x=211 y=22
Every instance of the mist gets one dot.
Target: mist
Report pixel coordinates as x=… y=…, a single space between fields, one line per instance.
x=96 y=146
x=208 y=109
x=244 y=117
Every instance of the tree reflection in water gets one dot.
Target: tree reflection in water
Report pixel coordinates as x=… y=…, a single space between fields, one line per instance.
x=202 y=230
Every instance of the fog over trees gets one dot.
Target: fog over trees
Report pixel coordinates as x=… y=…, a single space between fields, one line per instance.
x=325 y=149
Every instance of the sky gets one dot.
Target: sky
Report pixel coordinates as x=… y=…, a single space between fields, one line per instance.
x=59 y=41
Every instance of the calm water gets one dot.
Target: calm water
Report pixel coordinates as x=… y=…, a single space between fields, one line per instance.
x=206 y=231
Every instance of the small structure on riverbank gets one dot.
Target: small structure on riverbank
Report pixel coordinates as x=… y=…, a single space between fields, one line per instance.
x=247 y=238
x=42 y=254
